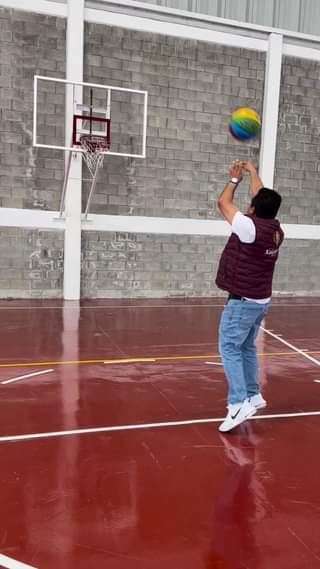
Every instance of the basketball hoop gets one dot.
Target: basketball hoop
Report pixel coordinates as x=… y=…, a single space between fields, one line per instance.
x=90 y=133
x=93 y=147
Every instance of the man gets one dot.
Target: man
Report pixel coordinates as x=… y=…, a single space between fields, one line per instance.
x=245 y=272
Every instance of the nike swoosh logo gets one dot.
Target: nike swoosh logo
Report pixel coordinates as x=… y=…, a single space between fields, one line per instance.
x=236 y=415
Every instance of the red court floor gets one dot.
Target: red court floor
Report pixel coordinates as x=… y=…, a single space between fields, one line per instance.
x=120 y=465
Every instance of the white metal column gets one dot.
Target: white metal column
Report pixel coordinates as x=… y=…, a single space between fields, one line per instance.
x=74 y=72
x=271 y=109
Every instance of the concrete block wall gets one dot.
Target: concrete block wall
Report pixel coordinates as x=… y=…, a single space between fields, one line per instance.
x=193 y=88
x=298 y=269
x=188 y=152
x=31 y=263
x=31 y=260
x=297 y=166
x=125 y=265
x=30 y=44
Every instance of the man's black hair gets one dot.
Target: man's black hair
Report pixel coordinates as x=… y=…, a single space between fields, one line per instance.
x=266 y=203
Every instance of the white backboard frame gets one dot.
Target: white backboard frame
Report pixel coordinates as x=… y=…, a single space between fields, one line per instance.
x=109 y=88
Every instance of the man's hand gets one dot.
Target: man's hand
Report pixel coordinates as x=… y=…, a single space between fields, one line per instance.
x=225 y=200
x=255 y=181
x=236 y=170
x=248 y=166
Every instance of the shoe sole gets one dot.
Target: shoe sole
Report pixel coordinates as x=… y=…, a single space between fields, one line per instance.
x=261 y=406
x=239 y=422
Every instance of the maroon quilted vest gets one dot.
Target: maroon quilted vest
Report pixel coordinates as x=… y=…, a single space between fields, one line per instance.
x=246 y=269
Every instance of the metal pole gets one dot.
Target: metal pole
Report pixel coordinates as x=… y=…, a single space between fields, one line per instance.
x=65 y=184
x=269 y=132
x=35 y=106
x=93 y=185
x=144 y=135
x=74 y=74
x=108 y=114
x=91 y=110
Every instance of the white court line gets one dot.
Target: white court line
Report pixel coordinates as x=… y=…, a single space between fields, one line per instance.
x=214 y=364
x=316 y=380
x=12 y=438
x=12 y=564
x=294 y=348
x=26 y=376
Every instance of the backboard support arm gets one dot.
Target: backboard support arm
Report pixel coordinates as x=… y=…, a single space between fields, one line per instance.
x=93 y=185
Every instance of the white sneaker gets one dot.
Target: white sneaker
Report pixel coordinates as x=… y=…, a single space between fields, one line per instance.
x=257 y=401
x=237 y=414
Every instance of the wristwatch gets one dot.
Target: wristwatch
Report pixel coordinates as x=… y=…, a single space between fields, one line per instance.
x=235 y=181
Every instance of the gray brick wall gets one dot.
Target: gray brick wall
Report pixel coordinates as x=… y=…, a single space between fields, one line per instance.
x=298 y=268
x=125 y=265
x=298 y=149
x=142 y=265
x=29 y=44
x=31 y=263
x=193 y=89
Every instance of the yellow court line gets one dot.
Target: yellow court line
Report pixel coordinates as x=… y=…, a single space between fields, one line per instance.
x=129 y=360
x=137 y=360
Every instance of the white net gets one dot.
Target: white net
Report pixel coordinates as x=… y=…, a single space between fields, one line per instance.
x=93 y=147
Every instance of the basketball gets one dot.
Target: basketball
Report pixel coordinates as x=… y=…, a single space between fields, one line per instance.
x=245 y=124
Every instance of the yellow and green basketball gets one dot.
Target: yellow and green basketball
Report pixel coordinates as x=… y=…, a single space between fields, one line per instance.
x=245 y=124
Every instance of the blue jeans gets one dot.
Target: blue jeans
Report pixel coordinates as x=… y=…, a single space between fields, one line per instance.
x=239 y=327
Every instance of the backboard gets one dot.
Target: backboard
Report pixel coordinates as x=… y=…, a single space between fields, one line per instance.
x=67 y=111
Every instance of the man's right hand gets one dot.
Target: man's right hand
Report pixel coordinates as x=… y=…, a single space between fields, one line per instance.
x=255 y=181
x=249 y=166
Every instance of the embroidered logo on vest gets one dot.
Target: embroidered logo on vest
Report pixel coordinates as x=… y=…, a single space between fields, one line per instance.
x=271 y=252
x=276 y=238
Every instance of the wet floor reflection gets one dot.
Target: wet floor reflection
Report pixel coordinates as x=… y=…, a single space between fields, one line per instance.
x=242 y=503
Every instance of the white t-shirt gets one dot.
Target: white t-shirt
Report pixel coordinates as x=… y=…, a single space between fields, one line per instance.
x=245 y=229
